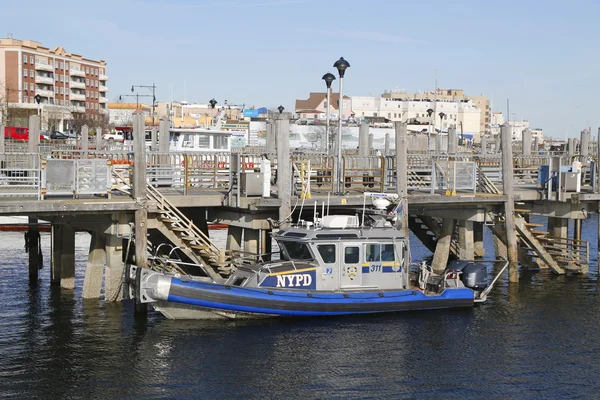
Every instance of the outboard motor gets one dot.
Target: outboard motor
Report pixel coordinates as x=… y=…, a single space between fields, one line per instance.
x=473 y=275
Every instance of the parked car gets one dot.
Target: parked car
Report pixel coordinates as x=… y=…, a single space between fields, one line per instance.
x=60 y=135
x=117 y=136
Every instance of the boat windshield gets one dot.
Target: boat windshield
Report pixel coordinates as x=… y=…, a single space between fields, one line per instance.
x=293 y=251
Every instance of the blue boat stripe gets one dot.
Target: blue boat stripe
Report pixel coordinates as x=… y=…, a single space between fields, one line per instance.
x=365 y=270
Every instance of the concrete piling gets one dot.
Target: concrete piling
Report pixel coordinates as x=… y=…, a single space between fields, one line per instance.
x=509 y=206
x=98 y=138
x=478 y=239
x=284 y=177
x=85 y=141
x=234 y=238
x=466 y=240
x=92 y=284
x=452 y=140
x=571 y=147
x=401 y=129
x=526 y=142
x=139 y=189
x=251 y=237
x=585 y=143
x=442 y=248
x=536 y=145
x=484 y=142
x=33 y=245
x=363 y=140
x=386 y=151
x=114 y=268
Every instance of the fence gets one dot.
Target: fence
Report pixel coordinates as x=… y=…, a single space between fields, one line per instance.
x=61 y=177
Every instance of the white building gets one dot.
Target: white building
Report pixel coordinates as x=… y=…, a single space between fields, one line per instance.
x=517 y=128
x=463 y=113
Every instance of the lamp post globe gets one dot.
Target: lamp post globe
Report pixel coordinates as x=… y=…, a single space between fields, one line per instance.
x=281 y=108
x=212 y=103
x=328 y=78
x=38 y=98
x=429 y=112
x=341 y=66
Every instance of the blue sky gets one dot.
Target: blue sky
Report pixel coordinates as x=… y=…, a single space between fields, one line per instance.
x=542 y=55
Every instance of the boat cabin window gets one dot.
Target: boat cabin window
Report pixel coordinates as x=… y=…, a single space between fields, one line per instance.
x=295 y=251
x=379 y=252
x=204 y=141
x=351 y=255
x=372 y=252
x=220 y=142
x=327 y=252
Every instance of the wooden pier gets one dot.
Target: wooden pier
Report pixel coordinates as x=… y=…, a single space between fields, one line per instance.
x=131 y=199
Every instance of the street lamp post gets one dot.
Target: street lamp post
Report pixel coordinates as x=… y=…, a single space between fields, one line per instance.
x=212 y=104
x=341 y=66
x=429 y=113
x=153 y=88
x=328 y=78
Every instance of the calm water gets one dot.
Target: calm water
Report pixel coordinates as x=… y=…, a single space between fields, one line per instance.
x=540 y=339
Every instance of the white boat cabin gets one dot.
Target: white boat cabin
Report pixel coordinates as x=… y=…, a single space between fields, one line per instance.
x=201 y=140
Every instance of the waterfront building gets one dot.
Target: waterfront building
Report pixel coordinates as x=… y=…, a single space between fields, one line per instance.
x=481 y=102
x=517 y=128
x=463 y=114
x=315 y=107
x=69 y=86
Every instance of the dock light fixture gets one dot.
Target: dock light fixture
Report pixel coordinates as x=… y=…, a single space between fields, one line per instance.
x=429 y=113
x=212 y=103
x=38 y=99
x=341 y=65
x=442 y=116
x=328 y=78
x=281 y=108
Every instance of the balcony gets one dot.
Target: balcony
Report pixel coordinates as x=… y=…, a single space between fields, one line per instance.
x=103 y=88
x=78 y=109
x=76 y=97
x=103 y=77
x=104 y=111
x=77 y=84
x=103 y=100
x=44 y=67
x=44 y=93
x=44 y=79
x=76 y=72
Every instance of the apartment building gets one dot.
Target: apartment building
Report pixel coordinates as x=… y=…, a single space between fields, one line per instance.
x=463 y=114
x=69 y=85
x=315 y=107
x=481 y=102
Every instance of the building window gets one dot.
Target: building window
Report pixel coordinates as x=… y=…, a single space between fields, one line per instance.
x=62 y=78
x=25 y=73
x=395 y=115
x=25 y=86
x=25 y=99
x=87 y=82
x=87 y=105
x=25 y=59
x=87 y=70
x=96 y=71
x=31 y=73
x=66 y=66
x=31 y=60
x=31 y=87
x=389 y=115
x=61 y=91
x=87 y=93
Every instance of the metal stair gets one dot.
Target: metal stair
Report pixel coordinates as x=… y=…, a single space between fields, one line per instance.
x=182 y=232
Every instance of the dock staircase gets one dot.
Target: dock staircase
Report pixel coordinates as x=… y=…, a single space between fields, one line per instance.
x=182 y=233
x=538 y=249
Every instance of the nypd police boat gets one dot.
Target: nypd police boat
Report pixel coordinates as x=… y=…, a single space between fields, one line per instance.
x=330 y=266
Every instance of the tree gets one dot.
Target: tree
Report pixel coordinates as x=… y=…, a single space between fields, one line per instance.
x=318 y=134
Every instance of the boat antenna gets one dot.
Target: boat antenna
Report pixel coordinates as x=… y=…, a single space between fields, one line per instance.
x=362 y=223
x=315 y=214
x=322 y=211
x=328 y=193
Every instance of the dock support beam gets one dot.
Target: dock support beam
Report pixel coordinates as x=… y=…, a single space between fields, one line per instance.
x=92 y=284
x=478 y=239
x=266 y=246
x=500 y=249
x=251 y=240
x=284 y=178
x=509 y=205
x=363 y=140
x=466 y=240
x=558 y=227
x=62 y=269
x=33 y=244
x=234 y=238
x=442 y=248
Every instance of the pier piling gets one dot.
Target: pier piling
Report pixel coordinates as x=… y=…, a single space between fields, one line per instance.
x=234 y=238
x=466 y=240
x=98 y=138
x=284 y=178
x=92 y=284
x=139 y=189
x=526 y=142
x=85 y=141
x=401 y=129
x=386 y=151
x=584 y=149
x=452 y=140
x=478 y=239
x=251 y=240
x=114 y=268
x=33 y=245
x=442 y=248
x=509 y=205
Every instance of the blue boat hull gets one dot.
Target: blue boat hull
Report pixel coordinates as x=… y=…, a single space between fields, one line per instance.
x=234 y=299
